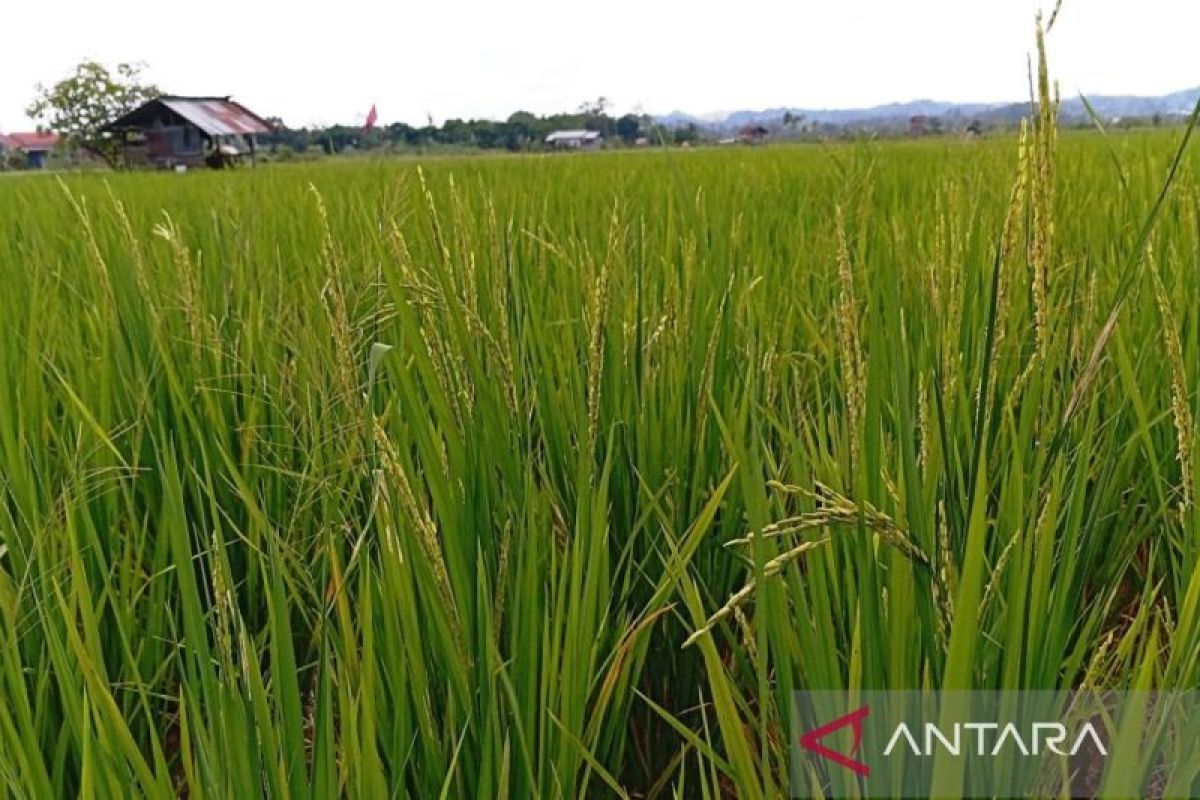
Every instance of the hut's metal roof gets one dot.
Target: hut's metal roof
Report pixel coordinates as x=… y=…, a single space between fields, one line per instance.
x=216 y=116
x=572 y=135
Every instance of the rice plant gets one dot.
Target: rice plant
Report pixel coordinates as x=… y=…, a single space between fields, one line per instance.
x=554 y=477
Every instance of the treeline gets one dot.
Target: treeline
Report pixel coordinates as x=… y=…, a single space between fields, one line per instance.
x=522 y=131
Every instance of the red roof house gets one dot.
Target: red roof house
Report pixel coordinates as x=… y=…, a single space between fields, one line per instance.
x=36 y=146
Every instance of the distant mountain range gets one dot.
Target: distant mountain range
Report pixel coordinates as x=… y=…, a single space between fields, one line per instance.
x=894 y=115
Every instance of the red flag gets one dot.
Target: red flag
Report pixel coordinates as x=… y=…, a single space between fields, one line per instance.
x=372 y=118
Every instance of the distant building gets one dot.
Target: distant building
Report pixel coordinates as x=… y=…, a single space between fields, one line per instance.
x=575 y=140
x=922 y=125
x=175 y=131
x=36 y=147
x=753 y=134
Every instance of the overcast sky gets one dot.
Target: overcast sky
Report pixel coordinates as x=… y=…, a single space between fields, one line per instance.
x=310 y=62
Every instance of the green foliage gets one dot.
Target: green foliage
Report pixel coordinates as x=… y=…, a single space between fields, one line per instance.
x=686 y=134
x=362 y=480
x=79 y=105
x=629 y=128
x=522 y=131
x=13 y=160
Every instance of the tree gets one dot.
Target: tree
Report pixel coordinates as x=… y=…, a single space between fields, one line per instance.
x=12 y=160
x=78 y=106
x=686 y=134
x=523 y=128
x=629 y=128
x=456 y=131
x=594 y=108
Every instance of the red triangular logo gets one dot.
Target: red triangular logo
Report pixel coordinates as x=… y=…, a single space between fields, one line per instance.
x=811 y=740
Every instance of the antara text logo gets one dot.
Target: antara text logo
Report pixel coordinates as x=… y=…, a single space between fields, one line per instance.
x=988 y=744
x=989 y=738
x=1042 y=737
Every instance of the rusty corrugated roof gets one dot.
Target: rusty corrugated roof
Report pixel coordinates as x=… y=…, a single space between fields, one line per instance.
x=217 y=116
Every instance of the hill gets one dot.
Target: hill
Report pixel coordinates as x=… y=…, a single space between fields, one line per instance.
x=892 y=115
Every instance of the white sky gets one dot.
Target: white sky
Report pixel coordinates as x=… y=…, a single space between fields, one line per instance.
x=320 y=62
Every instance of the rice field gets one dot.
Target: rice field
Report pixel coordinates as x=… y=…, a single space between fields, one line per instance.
x=555 y=476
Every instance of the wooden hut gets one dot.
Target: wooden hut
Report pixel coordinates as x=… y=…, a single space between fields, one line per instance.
x=171 y=131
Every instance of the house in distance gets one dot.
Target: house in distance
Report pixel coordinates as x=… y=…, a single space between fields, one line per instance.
x=171 y=132
x=753 y=134
x=35 y=147
x=575 y=140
